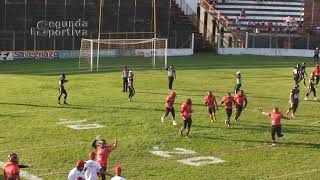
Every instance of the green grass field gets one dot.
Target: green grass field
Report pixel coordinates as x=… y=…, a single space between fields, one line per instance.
x=29 y=117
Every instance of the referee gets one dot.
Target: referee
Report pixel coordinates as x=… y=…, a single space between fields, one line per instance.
x=125 y=74
x=171 y=75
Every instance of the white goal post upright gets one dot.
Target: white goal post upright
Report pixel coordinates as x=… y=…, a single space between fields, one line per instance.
x=96 y=52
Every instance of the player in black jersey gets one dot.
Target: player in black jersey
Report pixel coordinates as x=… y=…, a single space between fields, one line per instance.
x=239 y=82
x=316 y=56
x=294 y=100
x=311 y=87
x=303 y=73
x=296 y=74
x=62 y=90
x=130 y=84
x=125 y=74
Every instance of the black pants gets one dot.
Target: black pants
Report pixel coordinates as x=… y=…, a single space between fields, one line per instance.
x=187 y=123
x=276 y=130
x=61 y=92
x=295 y=105
x=170 y=79
x=125 y=84
x=131 y=92
x=229 y=113
x=316 y=59
x=172 y=112
x=103 y=176
x=237 y=88
x=312 y=89
x=239 y=110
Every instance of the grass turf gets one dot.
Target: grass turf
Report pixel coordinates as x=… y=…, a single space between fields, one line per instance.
x=29 y=116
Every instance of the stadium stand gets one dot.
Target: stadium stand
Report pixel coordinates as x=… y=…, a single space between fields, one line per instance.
x=174 y=21
x=264 y=15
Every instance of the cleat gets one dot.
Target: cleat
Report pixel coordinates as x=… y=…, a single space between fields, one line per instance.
x=161 y=119
x=306 y=98
x=65 y=103
x=129 y=99
x=316 y=99
x=174 y=123
x=273 y=144
x=187 y=136
x=293 y=116
x=59 y=103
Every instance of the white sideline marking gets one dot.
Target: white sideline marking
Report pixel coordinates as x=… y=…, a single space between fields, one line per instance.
x=296 y=173
x=77 y=124
x=201 y=161
x=24 y=174
x=85 y=126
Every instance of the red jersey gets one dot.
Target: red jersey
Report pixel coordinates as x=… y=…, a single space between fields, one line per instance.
x=103 y=154
x=317 y=71
x=228 y=102
x=276 y=118
x=11 y=170
x=210 y=101
x=170 y=101
x=186 y=110
x=240 y=99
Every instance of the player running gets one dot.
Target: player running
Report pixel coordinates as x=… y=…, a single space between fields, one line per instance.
x=62 y=90
x=296 y=74
x=92 y=168
x=132 y=91
x=311 y=87
x=316 y=56
x=169 y=108
x=294 y=101
x=317 y=73
x=276 y=127
x=76 y=173
x=125 y=74
x=241 y=103
x=211 y=103
x=228 y=102
x=239 y=81
x=186 y=110
x=103 y=152
x=303 y=73
x=11 y=169
x=171 y=76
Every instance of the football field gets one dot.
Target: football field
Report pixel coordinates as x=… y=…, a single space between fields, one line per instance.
x=53 y=137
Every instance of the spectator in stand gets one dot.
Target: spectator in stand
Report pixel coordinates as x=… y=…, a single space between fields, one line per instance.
x=243 y=14
x=270 y=26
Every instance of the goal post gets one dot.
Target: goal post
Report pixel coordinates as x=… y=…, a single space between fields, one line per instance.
x=96 y=54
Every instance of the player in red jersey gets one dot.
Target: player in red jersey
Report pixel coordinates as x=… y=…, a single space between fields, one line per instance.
x=241 y=103
x=170 y=108
x=317 y=73
x=103 y=152
x=276 y=117
x=211 y=103
x=11 y=169
x=228 y=102
x=186 y=110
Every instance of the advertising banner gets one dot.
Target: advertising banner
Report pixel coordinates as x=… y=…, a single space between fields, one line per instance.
x=6 y=55
x=36 y=55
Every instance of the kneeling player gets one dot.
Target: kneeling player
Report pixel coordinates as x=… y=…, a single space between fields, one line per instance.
x=62 y=90
x=241 y=103
x=228 y=102
x=211 y=103
x=276 y=128
x=170 y=108
x=294 y=101
x=311 y=87
x=186 y=110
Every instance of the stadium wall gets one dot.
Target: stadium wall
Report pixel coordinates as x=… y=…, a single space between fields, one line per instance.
x=266 y=52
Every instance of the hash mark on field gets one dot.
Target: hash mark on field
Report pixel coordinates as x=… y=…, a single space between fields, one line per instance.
x=24 y=174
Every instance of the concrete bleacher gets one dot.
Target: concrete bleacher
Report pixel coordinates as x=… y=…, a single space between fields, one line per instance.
x=262 y=10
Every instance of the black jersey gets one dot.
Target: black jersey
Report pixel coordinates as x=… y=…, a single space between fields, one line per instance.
x=312 y=81
x=295 y=94
x=316 y=52
x=130 y=81
x=62 y=83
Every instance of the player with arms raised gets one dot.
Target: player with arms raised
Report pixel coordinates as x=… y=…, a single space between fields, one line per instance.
x=170 y=108
x=211 y=103
x=62 y=90
x=103 y=152
x=276 y=127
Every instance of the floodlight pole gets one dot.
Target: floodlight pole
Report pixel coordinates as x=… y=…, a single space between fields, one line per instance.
x=154 y=19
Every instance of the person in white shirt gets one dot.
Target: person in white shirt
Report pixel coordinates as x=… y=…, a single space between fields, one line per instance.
x=92 y=168
x=76 y=173
x=117 y=171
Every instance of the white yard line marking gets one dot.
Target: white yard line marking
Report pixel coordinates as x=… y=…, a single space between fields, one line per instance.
x=292 y=174
x=71 y=122
x=24 y=174
x=78 y=124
